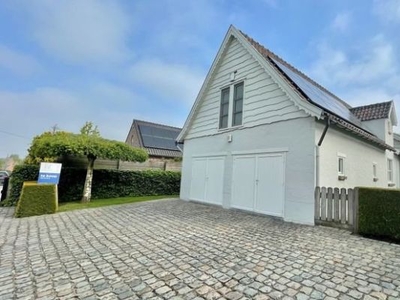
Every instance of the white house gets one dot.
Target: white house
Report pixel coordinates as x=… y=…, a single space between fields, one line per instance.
x=262 y=135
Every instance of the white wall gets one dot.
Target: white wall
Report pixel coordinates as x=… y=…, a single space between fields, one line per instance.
x=297 y=135
x=358 y=162
x=264 y=101
x=380 y=128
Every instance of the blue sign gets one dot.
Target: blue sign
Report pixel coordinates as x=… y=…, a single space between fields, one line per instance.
x=49 y=178
x=49 y=173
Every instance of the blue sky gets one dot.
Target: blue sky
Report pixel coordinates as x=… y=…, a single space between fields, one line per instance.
x=69 y=61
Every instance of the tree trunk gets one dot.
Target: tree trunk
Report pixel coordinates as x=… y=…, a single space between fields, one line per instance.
x=87 y=190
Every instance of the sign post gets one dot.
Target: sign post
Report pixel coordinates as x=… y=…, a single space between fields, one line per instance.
x=49 y=173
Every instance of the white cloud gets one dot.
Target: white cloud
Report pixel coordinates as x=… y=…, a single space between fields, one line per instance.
x=387 y=10
x=372 y=62
x=341 y=21
x=80 y=31
x=181 y=26
x=176 y=82
x=111 y=107
x=36 y=111
x=369 y=95
x=18 y=63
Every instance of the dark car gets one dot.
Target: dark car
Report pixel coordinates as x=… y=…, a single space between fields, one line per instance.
x=3 y=174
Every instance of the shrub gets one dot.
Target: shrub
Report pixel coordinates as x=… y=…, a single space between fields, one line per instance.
x=106 y=183
x=37 y=199
x=379 y=212
x=20 y=174
x=113 y=183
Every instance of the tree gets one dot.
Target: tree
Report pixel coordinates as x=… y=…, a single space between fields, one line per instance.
x=49 y=146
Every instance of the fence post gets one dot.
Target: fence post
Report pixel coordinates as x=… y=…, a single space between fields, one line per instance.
x=350 y=208
x=323 y=203
x=355 y=211
x=336 y=198
x=343 y=204
x=317 y=203
x=330 y=203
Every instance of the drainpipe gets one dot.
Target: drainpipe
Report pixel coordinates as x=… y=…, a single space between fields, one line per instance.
x=317 y=155
x=327 y=124
x=177 y=146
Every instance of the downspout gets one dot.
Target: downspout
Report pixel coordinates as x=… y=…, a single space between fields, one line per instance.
x=327 y=124
x=317 y=156
x=177 y=146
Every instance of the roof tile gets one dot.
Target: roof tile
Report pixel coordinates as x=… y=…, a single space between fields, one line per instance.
x=372 y=111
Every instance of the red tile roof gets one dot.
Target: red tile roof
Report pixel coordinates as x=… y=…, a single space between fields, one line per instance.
x=372 y=111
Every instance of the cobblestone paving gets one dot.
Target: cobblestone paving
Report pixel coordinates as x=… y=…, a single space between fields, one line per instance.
x=172 y=249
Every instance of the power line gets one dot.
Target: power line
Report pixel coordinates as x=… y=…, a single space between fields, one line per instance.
x=14 y=134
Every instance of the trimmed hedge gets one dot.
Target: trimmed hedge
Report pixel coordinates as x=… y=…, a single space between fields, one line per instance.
x=21 y=174
x=379 y=212
x=37 y=199
x=106 y=183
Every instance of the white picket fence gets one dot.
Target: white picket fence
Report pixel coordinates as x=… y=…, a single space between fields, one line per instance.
x=336 y=207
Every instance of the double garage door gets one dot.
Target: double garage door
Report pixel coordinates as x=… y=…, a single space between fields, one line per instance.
x=207 y=179
x=257 y=182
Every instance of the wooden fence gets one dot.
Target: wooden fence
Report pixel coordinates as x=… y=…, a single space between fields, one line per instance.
x=154 y=164
x=336 y=207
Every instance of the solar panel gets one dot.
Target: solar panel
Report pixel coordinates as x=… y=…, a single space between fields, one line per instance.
x=318 y=96
x=156 y=137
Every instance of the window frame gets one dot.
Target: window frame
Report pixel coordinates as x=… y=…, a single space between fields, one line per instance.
x=235 y=101
x=341 y=166
x=390 y=176
x=374 y=170
x=222 y=103
x=341 y=157
x=231 y=104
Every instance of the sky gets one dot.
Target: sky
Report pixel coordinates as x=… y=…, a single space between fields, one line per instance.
x=66 y=62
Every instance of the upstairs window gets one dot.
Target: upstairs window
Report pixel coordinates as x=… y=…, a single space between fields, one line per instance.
x=237 y=105
x=224 y=111
x=390 y=169
x=341 y=165
x=231 y=109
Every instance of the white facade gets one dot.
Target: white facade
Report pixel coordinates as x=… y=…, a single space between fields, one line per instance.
x=271 y=163
x=359 y=157
x=269 y=139
x=265 y=102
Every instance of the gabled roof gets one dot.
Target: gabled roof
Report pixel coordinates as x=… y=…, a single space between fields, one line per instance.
x=305 y=92
x=156 y=139
x=373 y=111
x=338 y=110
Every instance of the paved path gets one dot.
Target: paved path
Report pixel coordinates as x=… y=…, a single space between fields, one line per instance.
x=172 y=249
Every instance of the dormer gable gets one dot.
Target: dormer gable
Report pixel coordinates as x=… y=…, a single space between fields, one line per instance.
x=379 y=118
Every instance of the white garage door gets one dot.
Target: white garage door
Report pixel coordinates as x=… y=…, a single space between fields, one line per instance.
x=258 y=183
x=207 y=179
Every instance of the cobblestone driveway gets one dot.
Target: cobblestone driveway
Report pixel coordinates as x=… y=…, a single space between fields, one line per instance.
x=172 y=249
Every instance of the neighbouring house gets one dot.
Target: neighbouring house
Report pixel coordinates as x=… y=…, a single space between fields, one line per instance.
x=10 y=163
x=262 y=135
x=158 y=140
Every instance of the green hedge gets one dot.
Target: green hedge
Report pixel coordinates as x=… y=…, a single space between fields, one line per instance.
x=106 y=183
x=37 y=199
x=379 y=212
